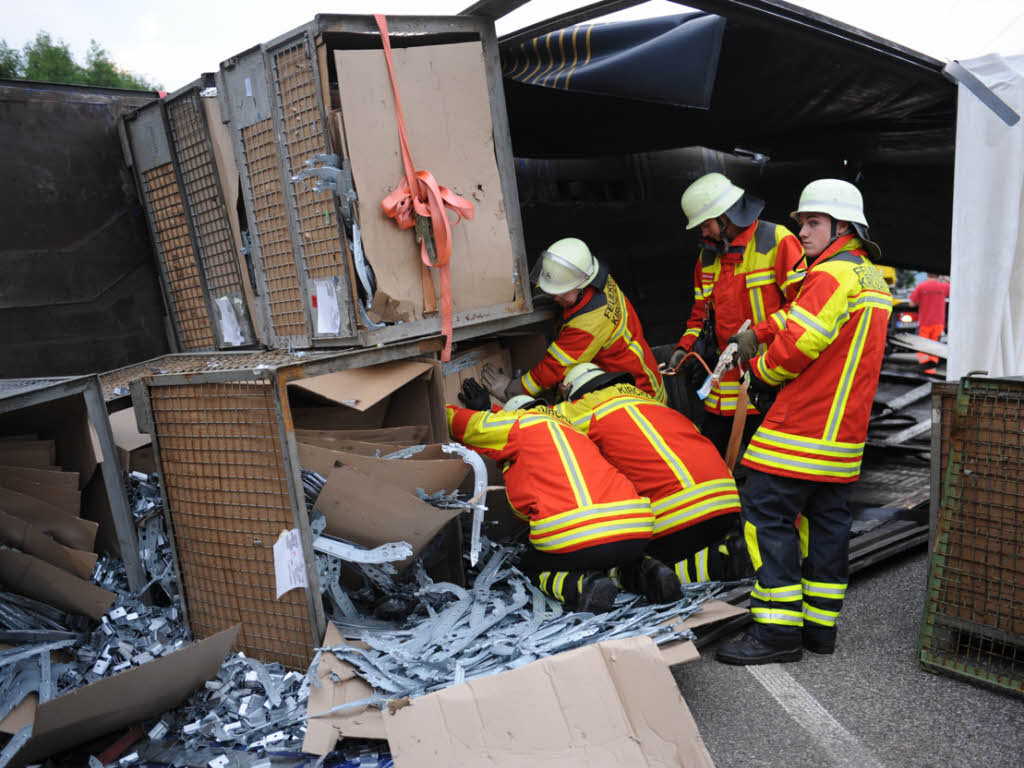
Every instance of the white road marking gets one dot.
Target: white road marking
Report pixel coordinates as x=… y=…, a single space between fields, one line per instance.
x=844 y=749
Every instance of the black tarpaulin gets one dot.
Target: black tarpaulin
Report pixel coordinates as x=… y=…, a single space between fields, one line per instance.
x=669 y=60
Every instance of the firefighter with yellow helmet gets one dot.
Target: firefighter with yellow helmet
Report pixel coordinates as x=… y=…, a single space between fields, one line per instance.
x=824 y=364
x=747 y=269
x=598 y=324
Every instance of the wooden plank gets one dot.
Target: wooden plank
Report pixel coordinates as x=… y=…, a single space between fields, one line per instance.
x=920 y=344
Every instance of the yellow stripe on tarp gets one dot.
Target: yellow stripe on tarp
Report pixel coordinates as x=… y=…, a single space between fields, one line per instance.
x=590 y=27
x=551 y=60
x=561 y=59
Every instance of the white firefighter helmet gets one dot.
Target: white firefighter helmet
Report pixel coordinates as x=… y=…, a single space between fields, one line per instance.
x=577 y=376
x=567 y=264
x=834 y=197
x=708 y=198
x=521 y=403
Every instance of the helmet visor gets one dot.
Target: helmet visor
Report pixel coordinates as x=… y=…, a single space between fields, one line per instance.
x=554 y=274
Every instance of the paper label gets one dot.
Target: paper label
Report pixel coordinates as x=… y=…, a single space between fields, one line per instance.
x=289 y=564
x=328 y=316
x=248 y=87
x=705 y=388
x=229 y=328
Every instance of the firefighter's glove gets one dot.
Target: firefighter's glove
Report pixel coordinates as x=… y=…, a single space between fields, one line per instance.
x=677 y=357
x=497 y=383
x=474 y=396
x=694 y=372
x=746 y=345
x=761 y=394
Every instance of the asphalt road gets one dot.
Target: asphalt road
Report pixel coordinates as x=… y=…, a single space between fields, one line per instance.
x=870 y=705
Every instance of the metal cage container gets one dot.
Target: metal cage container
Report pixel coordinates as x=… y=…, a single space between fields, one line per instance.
x=170 y=146
x=279 y=99
x=973 y=623
x=228 y=464
x=62 y=409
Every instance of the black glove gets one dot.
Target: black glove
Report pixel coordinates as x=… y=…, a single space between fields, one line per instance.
x=746 y=345
x=694 y=373
x=761 y=394
x=475 y=396
x=677 y=355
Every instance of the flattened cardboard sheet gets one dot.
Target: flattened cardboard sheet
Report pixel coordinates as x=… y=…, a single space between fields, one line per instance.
x=34 y=541
x=362 y=388
x=417 y=433
x=128 y=697
x=35 y=578
x=323 y=733
x=52 y=476
x=52 y=486
x=430 y=469
x=67 y=529
x=28 y=453
x=610 y=704
x=371 y=512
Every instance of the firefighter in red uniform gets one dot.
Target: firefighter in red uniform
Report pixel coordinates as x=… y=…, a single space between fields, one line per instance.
x=598 y=324
x=747 y=269
x=585 y=517
x=826 y=358
x=692 y=492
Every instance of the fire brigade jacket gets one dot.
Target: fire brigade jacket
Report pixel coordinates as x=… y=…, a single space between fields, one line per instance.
x=603 y=328
x=755 y=280
x=660 y=451
x=556 y=478
x=830 y=351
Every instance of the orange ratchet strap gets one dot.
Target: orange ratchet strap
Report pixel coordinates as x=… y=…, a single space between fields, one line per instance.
x=419 y=196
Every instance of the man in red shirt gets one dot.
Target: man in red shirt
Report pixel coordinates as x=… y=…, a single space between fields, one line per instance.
x=930 y=296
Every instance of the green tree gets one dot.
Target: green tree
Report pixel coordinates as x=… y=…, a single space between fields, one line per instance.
x=51 y=61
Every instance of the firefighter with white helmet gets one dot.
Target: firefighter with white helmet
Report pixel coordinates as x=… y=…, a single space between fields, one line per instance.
x=598 y=323
x=806 y=454
x=747 y=269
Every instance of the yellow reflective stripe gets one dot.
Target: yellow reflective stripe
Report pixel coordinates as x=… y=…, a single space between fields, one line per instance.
x=579 y=587
x=786 y=594
x=757 y=305
x=750 y=536
x=773 y=376
x=809 y=444
x=853 y=355
x=792 y=276
x=543 y=580
x=779 y=317
x=497 y=420
x=820 y=615
x=613 y=573
x=657 y=442
x=702 y=565
x=803 y=530
x=776 y=616
x=683 y=514
x=571 y=467
x=617 y=404
x=760 y=277
x=696 y=493
x=803 y=464
x=692 y=332
x=824 y=589
x=558 y=586
x=530 y=385
x=592 y=533
x=595 y=512
x=560 y=355
x=871 y=300
x=683 y=572
x=802 y=317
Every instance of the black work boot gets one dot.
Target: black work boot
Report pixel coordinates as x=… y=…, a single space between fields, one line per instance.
x=819 y=640
x=598 y=593
x=750 y=650
x=649 y=577
x=738 y=564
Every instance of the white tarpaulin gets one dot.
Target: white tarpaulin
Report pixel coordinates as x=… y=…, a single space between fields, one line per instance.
x=986 y=305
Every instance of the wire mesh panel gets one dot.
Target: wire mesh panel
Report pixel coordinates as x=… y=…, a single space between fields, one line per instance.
x=304 y=136
x=217 y=251
x=283 y=291
x=174 y=246
x=227 y=496
x=974 y=611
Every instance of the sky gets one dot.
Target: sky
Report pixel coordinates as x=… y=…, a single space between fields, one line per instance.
x=173 y=43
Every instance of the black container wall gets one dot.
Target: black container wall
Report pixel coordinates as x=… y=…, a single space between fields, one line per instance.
x=79 y=291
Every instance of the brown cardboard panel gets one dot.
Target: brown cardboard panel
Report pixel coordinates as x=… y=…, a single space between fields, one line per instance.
x=338 y=417
x=447 y=115
x=361 y=448
x=65 y=421
x=469 y=364
x=610 y=704
x=29 y=453
x=426 y=470
x=372 y=511
x=416 y=433
x=33 y=540
x=96 y=509
x=49 y=476
x=35 y=578
x=712 y=611
x=362 y=388
x=53 y=487
x=126 y=431
x=67 y=529
x=128 y=697
x=15 y=438
x=323 y=733
x=22 y=715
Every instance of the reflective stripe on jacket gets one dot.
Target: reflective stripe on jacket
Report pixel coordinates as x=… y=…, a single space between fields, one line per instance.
x=556 y=478
x=830 y=353
x=756 y=280
x=660 y=451
x=602 y=328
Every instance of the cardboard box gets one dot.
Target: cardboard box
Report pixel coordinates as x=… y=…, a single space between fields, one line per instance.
x=125 y=698
x=469 y=364
x=65 y=422
x=30 y=576
x=611 y=704
x=70 y=530
x=52 y=485
x=431 y=469
x=134 y=448
x=33 y=540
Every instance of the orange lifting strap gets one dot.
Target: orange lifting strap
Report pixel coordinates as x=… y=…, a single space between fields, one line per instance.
x=418 y=197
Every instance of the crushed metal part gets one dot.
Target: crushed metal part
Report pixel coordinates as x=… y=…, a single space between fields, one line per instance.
x=479 y=493
x=354 y=553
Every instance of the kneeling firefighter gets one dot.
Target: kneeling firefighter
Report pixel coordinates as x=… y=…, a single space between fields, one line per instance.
x=585 y=517
x=693 y=494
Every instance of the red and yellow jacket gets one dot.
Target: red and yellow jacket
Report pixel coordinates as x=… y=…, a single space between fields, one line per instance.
x=660 y=451
x=756 y=280
x=602 y=328
x=556 y=478
x=830 y=351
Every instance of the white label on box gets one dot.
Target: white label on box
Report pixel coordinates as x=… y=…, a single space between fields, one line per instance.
x=229 y=328
x=289 y=564
x=328 y=316
x=248 y=87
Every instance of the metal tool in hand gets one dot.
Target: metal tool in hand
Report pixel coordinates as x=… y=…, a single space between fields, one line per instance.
x=727 y=359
